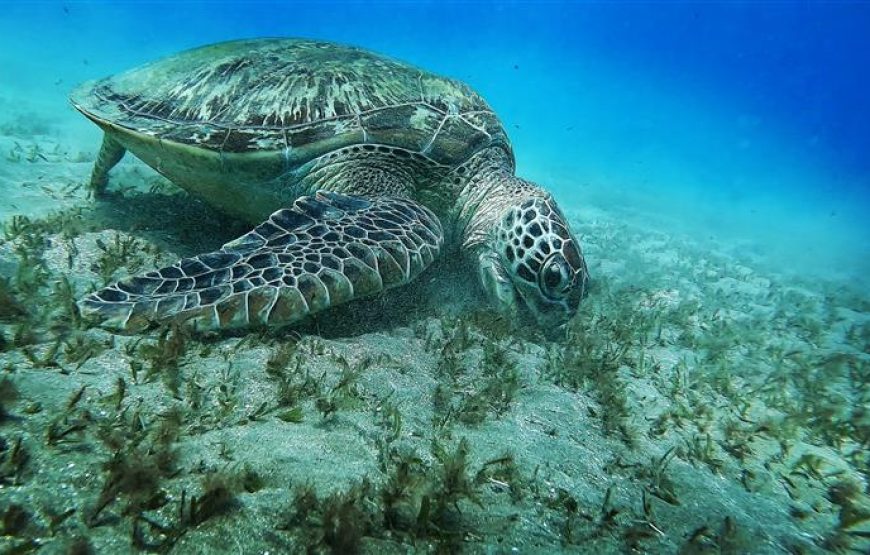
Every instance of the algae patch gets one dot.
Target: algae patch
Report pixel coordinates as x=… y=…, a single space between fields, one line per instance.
x=694 y=405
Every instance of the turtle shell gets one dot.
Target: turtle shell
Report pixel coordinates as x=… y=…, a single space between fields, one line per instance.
x=301 y=98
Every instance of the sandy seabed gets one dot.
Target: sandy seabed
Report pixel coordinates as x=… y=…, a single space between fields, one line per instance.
x=698 y=404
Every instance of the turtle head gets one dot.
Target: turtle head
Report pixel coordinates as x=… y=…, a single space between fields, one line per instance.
x=534 y=261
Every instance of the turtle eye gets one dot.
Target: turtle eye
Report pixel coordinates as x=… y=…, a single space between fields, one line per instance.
x=555 y=277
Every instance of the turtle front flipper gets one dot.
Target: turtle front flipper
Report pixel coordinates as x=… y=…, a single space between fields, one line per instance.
x=323 y=251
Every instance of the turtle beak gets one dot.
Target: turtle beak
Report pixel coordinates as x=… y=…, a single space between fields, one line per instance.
x=497 y=284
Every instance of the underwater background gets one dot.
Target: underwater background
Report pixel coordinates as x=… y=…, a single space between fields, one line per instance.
x=711 y=396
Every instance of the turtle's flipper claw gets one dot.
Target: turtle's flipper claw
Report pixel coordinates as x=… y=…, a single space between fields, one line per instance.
x=323 y=251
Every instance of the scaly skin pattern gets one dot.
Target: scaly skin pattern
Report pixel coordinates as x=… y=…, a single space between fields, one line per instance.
x=323 y=251
x=521 y=241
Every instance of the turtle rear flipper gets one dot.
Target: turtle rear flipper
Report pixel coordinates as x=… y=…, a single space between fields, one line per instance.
x=323 y=251
x=110 y=154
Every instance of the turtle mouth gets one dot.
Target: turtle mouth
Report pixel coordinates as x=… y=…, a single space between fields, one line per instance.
x=548 y=313
x=523 y=301
x=498 y=285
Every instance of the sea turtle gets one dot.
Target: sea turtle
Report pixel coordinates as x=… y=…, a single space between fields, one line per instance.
x=373 y=166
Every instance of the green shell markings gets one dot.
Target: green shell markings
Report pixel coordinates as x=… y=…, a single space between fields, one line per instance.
x=367 y=165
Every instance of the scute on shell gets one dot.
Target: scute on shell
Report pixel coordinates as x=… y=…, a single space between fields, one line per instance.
x=285 y=94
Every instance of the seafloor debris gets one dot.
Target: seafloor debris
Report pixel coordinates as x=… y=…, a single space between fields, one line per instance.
x=691 y=407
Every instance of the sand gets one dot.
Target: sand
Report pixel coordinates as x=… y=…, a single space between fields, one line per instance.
x=699 y=404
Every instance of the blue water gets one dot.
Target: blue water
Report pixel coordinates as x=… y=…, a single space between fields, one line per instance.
x=742 y=122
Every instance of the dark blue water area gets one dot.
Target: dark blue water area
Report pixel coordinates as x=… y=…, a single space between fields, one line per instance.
x=743 y=121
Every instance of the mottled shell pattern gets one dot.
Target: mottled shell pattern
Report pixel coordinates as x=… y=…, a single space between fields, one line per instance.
x=300 y=97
